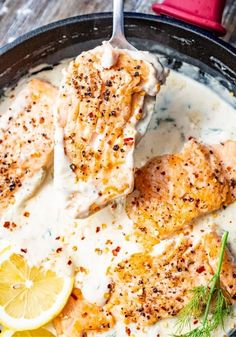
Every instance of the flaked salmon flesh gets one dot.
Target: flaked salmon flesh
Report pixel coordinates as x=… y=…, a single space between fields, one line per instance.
x=173 y=190
x=99 y=110
x=26 y=138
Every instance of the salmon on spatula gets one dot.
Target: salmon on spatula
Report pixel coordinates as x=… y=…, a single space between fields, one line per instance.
x=106 y=99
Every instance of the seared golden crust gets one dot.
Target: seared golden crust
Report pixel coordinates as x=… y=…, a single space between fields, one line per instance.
x=149 y=288
x=26 y=139
x=99 y=109
x=80 y=316
x=172 y=190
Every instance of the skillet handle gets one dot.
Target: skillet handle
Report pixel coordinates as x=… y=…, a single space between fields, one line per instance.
x=203 y=13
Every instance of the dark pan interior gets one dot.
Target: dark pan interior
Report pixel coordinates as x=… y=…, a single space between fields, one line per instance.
x=63 y=39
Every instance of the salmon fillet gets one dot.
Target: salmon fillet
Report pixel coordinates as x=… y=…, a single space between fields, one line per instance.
x=98 y=111
x=26 y=139
x=148 y=288
x=172 y=190
x=80 y=316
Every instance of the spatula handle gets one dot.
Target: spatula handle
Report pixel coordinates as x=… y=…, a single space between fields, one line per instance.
x=118 y=19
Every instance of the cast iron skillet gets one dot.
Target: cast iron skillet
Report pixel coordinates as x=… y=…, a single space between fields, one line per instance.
x=66 y=38
x=180 y=42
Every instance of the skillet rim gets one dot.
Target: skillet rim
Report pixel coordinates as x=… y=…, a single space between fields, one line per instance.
x=128 y=15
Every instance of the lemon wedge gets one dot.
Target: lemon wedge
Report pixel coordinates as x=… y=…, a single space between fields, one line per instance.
x=30 y=333
x=30 y=297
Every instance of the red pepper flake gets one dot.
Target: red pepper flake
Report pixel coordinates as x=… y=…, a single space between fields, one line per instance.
x=110 y=286
x=98 y=229
x=69 y=262
x=7 y=224
x=58 y=238
x=23 y=250
x=129 y=139
x=59 y=250
x=116 y=251
x=200 y=269
x=195 y=322
x=74 y=296
x=26 y=214
x=128 y=331
x=41 y=120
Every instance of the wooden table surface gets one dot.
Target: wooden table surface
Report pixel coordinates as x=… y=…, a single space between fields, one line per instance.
x=20 y=16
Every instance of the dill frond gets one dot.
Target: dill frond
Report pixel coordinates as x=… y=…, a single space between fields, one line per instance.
x=220 y=309
x=197 y=332
x=194 y=308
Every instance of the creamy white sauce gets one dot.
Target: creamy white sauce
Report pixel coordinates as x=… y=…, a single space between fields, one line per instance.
x=184 y=108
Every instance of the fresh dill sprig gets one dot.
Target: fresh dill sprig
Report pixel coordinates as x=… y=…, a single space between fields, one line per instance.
x=193 y=309
x=220 y=309
x=211 y=302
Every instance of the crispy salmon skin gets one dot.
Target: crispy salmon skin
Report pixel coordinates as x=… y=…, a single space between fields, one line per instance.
x=26 y=139
x=172 y=190
x=98 y=111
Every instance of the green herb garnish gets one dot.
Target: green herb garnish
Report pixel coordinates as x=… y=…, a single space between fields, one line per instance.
x=211 y=302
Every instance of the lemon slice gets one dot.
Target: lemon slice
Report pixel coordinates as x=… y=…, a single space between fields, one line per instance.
x=30 y=333
x=4 y=250
x=30 y=297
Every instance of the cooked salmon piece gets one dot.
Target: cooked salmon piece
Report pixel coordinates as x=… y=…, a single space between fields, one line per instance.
x=148 y=288
x=98 y=113
x=226 y=154
x=172 y=190
x=26 y=141
x=80 y=316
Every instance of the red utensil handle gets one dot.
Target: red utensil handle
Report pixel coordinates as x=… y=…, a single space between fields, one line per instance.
x=203 y=13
